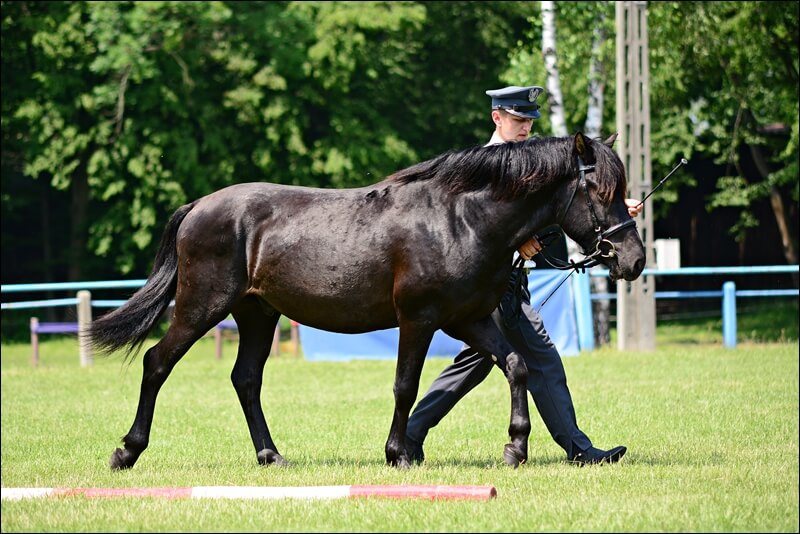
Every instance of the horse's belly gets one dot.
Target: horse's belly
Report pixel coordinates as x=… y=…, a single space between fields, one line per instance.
x=351 y=313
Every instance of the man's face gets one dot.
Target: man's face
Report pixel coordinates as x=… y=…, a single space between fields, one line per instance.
x=511 y=127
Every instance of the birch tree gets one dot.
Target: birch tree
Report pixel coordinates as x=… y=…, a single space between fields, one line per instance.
x=595 y=93
x=555 y=101
x=593 y=128
x=558 y=123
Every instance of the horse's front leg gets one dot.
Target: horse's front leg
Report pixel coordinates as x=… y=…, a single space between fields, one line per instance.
x=415 y=338
x=485 y=336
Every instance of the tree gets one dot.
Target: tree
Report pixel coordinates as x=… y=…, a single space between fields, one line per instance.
x=555 y=100
x=115 y=113
x=719 y=91
x=729 y=93
x=109 y=97
x=594 y=116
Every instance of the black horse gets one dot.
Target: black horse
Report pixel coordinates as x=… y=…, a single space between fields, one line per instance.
x=429 y=247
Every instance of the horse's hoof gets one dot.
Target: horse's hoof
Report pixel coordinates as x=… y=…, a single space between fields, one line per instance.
x=400 y=463
x=513 y=456
x=122 y=459
x=269 y=457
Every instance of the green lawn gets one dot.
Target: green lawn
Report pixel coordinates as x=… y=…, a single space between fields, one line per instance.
x=712 y=436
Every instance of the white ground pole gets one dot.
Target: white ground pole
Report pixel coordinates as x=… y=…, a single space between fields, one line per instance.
x=430 y=492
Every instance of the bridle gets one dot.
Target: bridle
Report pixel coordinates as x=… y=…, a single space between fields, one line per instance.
x=603 y=248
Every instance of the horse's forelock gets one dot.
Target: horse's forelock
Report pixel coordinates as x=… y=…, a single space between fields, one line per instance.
x=609 y=173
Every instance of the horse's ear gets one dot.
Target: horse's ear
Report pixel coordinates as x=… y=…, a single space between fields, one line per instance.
x=610 y=141
x=583 y=147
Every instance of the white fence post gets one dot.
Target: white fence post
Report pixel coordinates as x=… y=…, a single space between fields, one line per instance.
x=84 y=321
x=35 y=341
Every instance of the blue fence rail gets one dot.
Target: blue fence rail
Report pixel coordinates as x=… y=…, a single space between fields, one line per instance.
x=66 y=286
x=727 y=293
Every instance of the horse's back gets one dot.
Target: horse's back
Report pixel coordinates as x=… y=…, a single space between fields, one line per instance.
x=310 y=253
x=346 y=260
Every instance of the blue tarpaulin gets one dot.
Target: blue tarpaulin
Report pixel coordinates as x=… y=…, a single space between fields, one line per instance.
x=558 y=315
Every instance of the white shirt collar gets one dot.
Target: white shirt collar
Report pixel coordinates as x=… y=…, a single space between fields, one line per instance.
x=495 y=140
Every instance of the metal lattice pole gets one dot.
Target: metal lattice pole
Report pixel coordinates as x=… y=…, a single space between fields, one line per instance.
x=636 y=305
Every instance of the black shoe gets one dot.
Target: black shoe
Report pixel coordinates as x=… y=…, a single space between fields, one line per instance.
x=415 y=452
x=599 y=456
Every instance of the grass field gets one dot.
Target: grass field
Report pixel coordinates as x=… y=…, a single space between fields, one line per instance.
x=712 y=436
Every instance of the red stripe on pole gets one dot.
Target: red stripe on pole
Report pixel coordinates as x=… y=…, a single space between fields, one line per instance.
x=433 y=492
x=100 y=493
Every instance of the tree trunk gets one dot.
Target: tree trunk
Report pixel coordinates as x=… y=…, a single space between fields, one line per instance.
x=601 y=309
x=80 y=205
x=47 y=251
x=788 y=240
x=555 y=100
x=558 y=123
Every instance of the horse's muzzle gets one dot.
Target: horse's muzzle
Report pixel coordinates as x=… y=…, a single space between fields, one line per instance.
x=629 y=273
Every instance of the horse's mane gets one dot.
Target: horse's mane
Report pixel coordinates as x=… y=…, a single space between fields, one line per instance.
x=516 y=169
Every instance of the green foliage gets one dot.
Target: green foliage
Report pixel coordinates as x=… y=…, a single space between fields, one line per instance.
x=576 y=24
x=134 y=108
x=116 y=113
x=719 y=89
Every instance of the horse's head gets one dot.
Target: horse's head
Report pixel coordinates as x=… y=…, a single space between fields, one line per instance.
x=595 y=215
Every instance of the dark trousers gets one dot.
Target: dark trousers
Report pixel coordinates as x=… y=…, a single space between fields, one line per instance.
x=547 y=383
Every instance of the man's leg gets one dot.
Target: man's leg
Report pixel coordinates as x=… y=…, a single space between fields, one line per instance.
x=469 y=369
x=547 y=380
x=547 y=383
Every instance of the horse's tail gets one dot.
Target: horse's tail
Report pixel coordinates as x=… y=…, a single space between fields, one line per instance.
x=130 y=324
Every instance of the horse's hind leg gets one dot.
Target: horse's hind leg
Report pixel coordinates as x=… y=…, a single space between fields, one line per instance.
x=158 y=363
x=256 y=322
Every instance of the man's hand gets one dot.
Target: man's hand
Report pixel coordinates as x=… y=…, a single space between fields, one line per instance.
x=634 y=207
x=530 y=248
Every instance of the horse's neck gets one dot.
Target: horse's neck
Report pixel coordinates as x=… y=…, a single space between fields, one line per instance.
x=506 y=225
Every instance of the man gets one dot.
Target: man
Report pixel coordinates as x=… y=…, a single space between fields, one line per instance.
x=513 y=111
